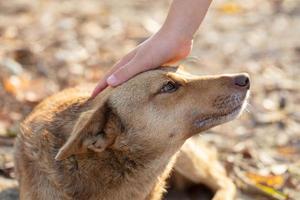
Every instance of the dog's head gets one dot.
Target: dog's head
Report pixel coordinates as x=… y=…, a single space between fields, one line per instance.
x=160 y=108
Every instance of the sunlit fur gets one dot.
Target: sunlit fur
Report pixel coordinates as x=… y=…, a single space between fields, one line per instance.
x=123 y=144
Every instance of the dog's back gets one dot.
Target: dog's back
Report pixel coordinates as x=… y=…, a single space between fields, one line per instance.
x=42 y=134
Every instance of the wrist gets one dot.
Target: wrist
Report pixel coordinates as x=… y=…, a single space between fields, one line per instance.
x=175 y=35
x=177 y=46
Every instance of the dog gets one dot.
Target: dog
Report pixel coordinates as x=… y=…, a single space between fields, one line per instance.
x=124 y=143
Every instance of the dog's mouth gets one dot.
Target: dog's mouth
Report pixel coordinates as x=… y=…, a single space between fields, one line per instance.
x=207 y=122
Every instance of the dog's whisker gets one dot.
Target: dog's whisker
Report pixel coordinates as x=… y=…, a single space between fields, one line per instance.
x=247 y=109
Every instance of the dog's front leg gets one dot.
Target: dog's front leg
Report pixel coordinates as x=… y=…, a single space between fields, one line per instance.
x=198 y=163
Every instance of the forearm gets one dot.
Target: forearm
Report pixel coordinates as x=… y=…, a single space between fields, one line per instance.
x=185 y=17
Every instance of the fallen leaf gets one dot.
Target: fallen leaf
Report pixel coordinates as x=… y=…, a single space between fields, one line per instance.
x=279 y=169
x=252 y=182
x=287 y=150
x=275 y=181
x=24 y=88
x=272 y=192
x=230 y=8
x=15 y=83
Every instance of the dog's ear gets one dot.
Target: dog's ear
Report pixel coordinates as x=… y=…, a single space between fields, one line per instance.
x=95 y=130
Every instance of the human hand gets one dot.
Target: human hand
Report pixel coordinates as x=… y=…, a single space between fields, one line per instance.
x=172 y=43
x=165 y=47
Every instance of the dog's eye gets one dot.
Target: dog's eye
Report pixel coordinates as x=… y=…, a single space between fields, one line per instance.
x=169 y=87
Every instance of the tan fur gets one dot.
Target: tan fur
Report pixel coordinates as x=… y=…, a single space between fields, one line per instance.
x=123 y=144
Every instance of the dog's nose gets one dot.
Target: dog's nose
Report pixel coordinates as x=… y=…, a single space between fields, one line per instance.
x=242 y=81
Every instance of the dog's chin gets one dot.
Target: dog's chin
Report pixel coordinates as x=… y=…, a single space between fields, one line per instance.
x=212 y=121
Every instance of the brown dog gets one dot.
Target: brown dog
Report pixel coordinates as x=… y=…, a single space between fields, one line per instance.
x=123 y=144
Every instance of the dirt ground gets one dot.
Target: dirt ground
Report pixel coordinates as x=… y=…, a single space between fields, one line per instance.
x=46 y=46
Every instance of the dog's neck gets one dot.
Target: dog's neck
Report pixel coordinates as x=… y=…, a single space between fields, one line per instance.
x=132 y=172
x=128 y=174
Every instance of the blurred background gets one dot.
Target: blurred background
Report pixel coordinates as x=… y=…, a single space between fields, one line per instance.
x=48 y=45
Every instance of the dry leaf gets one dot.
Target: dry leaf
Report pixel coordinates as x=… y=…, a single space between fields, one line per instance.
x=16 y=83
x=275 y=181
x=272 y=192
x=287 y=150
x=230 y=8
x=24 y=88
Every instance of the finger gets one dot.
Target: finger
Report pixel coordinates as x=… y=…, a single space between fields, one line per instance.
x=124 y=73
x=100 y=86
x=121 y=62
x=103 y=84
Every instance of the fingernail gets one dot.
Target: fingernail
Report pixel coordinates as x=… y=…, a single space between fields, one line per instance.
x=111 y=80
x=94 y=94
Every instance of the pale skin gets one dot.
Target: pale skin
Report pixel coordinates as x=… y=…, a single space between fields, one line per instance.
x=170 y=44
